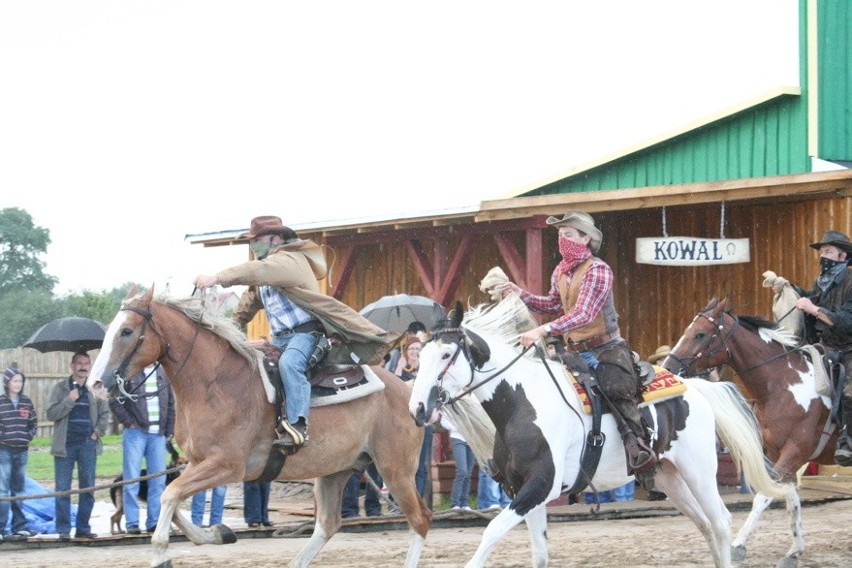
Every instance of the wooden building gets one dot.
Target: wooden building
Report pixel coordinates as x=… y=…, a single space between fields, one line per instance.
x=772 y=170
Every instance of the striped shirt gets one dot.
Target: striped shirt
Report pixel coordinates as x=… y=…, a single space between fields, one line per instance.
x=281 y=312
x=153 y=400
x=18 y=422
x=594 y=290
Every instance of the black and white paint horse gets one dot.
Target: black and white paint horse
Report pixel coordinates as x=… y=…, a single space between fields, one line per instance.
x=539 y=432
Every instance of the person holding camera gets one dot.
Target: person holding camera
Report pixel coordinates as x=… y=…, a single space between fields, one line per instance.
x=80 y=421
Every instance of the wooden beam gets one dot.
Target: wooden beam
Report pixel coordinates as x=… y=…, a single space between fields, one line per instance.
x=535 y=258
x=456 y=270
x=422 y=265
x=800 y=186
x=347 y=266
x=514 y=263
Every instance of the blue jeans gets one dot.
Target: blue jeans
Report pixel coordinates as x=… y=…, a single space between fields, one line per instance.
x=352 y=490
x=256 y=501
x=217 y=505
x=623 y=493
x=84 y=455
x=424 y=468
x=489 y=492
x=137 y=444
x=464 y=468
x=13 y=474
x=295 y=348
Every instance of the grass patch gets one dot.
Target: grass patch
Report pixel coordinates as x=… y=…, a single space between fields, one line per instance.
x=40 y=462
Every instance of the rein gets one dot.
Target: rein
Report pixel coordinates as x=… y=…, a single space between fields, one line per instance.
x=687 y=363
x=472 y=387
x=148 y=316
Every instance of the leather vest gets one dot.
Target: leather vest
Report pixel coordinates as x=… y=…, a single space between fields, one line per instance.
x=606 y=322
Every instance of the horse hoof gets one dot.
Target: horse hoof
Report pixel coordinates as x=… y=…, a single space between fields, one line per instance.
x=738 y=553
x=225 y=535
x=166 y=564
x=787 y=562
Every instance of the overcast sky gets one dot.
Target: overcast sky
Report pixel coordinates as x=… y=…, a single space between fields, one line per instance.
x=125 y=126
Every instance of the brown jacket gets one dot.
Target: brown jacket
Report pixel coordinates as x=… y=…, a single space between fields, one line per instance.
x=296 y=268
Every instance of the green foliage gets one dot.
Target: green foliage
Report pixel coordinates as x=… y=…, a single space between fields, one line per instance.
x=26 y=298
x=22 y=312
x=21 y=243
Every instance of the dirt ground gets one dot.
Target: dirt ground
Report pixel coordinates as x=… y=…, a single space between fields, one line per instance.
x=670 y=541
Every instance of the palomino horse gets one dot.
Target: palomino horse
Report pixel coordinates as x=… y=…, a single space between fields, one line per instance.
x=540 y=430
x=794 y=416
x=225 y=422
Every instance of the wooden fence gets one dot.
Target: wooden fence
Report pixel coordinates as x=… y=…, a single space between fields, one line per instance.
x=42 y=371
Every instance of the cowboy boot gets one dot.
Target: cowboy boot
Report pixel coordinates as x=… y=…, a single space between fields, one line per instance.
x=291 y=436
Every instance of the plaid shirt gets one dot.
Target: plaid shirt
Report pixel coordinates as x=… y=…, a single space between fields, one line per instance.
x=281 y=312
x=594 y=290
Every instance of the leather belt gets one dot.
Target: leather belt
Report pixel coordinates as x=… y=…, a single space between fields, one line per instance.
x=590 y=343
x=307 y=327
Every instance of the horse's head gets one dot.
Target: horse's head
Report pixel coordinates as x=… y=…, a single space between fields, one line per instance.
x=447 y=364
x=130 y=344
x=703 y=344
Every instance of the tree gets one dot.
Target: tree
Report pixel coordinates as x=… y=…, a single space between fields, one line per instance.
x=22 y=312
x=21 y=243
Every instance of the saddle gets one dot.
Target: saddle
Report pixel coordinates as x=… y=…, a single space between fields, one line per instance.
x=320 y=374
x=830 y=376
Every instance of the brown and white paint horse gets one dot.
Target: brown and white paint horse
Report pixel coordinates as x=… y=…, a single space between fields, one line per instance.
x=793 y=415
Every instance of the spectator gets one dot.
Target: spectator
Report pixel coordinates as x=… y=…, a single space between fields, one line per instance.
x=489 y=493
x=463 y=456
x=17 y=428
x=217 y=506
x=80 y=422
x=411 y=332
x=256 y=503
x=352 y=492
x=406 y=369
x=148 y=422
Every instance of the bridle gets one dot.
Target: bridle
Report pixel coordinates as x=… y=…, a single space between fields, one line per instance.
x=686 y=363
x=444 y=397
x=148 y=318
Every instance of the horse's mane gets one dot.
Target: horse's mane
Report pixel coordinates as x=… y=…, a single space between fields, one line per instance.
x=768 y=330
x=507 y=319
x=196 y=309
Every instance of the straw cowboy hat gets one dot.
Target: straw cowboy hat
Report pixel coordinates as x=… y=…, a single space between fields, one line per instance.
x=582 y=222
x=269 y=225
x=836 y=239
x=661 y=353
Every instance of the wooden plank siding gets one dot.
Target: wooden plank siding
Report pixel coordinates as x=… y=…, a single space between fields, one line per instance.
x=655 y=302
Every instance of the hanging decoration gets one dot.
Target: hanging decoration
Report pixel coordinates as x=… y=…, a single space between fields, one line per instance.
x=692 y=251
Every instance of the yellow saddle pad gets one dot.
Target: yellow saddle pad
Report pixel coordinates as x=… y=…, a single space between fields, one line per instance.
x=664 y=386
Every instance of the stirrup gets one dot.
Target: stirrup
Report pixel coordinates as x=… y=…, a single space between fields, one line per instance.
x=290 y=436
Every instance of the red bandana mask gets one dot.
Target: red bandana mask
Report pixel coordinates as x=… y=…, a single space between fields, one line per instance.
x=572 y=254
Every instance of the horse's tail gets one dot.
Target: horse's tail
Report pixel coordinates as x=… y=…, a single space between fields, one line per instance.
x=739 y=431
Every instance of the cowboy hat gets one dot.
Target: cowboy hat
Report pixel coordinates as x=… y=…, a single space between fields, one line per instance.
x=835 y=239
x=661 y=353
x=268 y=225
x=582 y=222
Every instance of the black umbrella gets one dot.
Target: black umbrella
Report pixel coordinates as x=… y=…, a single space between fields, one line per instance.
x=68 y=334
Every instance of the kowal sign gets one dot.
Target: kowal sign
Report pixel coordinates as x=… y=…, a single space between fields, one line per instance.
x=691 y=251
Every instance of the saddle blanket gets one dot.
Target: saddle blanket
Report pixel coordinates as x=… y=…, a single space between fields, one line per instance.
x=664 y=386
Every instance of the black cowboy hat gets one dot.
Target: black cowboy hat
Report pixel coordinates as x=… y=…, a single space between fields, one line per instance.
x=836 y=239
